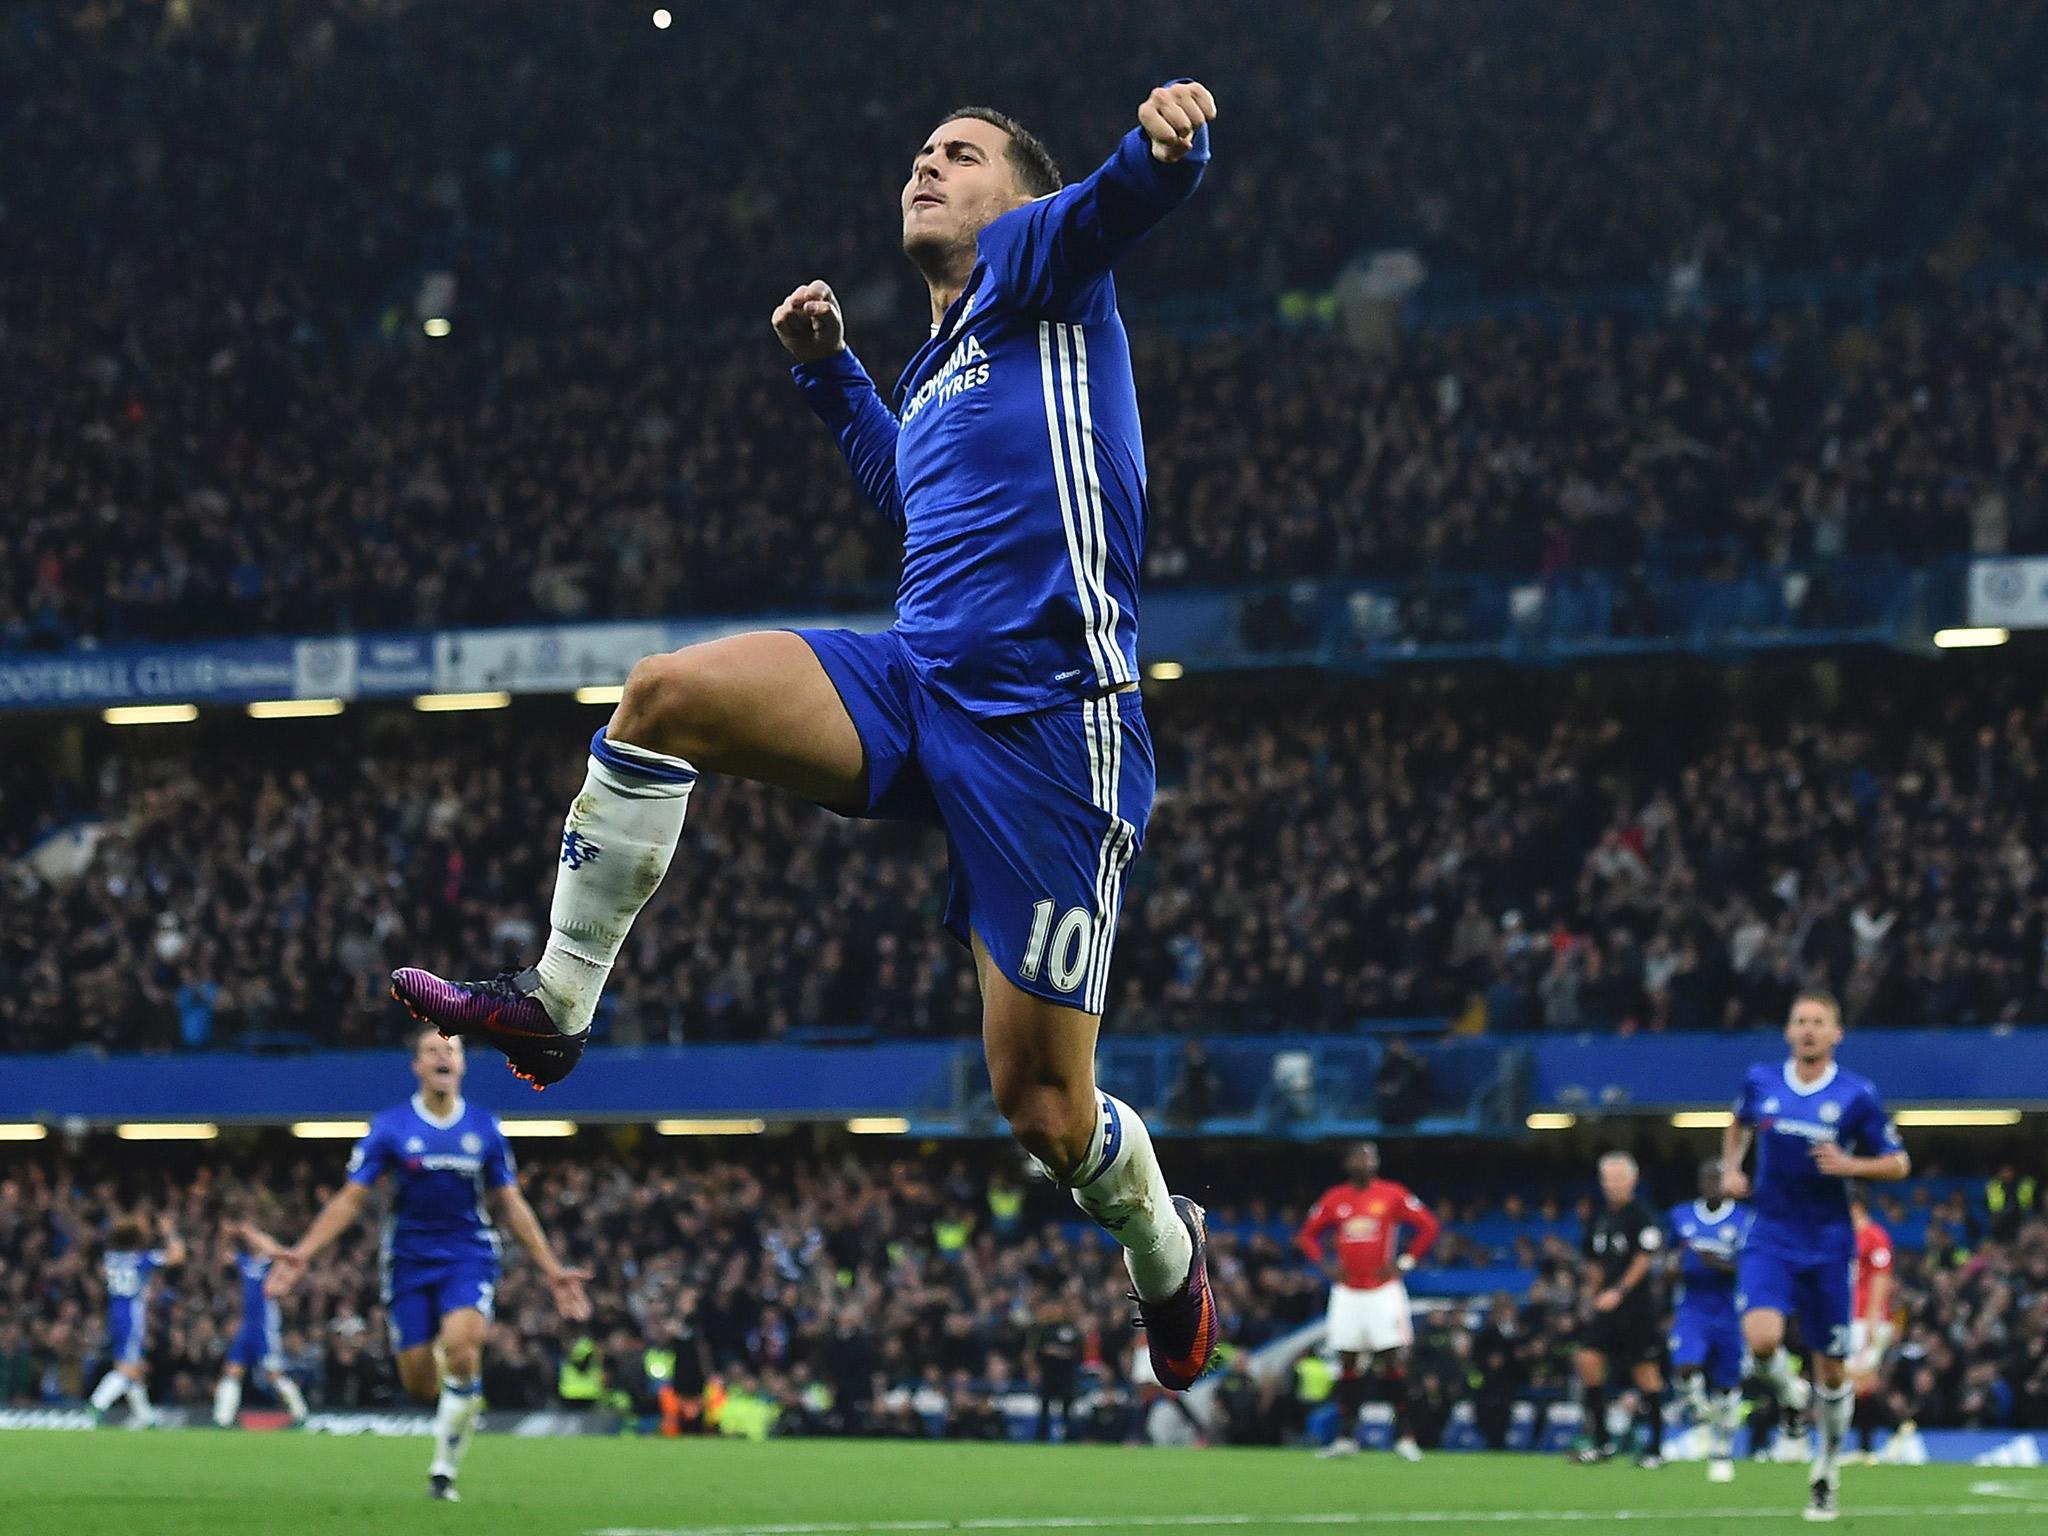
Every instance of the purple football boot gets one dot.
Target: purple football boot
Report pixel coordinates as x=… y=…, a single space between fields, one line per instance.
x=502 y=1012
x=1181 y=1331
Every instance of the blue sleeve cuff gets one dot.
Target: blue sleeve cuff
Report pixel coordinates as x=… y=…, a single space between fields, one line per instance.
x=1164 y=181
x=842 y=367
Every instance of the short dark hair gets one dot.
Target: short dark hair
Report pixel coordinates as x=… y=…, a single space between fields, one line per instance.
x=126 y=1235
x=1029 y=158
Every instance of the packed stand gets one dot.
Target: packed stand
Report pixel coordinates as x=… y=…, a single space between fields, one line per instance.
x=216 y=362
x=836 y=1292
x=1316 y=857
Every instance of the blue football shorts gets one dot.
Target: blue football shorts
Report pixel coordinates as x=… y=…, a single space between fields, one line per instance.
x=257 y=1348
x=418 y=1296
x=1042 y=812
x=1708 y=1338
x=1819 y=1292
x=127 y=1334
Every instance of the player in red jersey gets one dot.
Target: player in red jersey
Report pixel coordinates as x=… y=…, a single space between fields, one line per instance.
x=1368 y=1315
x=1871 y=1328
x=1870 y=1321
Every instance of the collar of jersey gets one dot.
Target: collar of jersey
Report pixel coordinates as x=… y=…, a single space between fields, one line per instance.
x=419 y=1107
x=1707 y=1212
x=1807 y=1090
x=943 y=332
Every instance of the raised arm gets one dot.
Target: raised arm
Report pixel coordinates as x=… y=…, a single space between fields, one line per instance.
x=1052 y=254
x=173 y=1250
x=837 y=388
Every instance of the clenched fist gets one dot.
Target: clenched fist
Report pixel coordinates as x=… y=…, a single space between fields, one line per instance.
x=809 y=323
x=1170 y=116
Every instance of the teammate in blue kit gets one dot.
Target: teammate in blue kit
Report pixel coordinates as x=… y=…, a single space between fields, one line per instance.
x=1002 y=706
x=130 y=1269
x=258 y=1346
x=440 y=1250
x=1816 y=1127
x=1707 y=1234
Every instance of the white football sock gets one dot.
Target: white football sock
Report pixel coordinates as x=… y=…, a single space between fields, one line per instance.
x=138 y=1403
x=1783 y=1377
x=109 y=1391
x=1119 y=1185
x=455 y=1418
x=1692 y=1391
x=618 y=839
x=227 y=1400
x=294 y=1399
x=1837 y=1411
x=1725 y=1415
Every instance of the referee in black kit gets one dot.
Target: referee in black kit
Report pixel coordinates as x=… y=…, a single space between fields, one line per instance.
x=1620 y=1247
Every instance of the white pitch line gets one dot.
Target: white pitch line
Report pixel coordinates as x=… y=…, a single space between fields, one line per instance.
x=1335 y=1519
x=2035 y=1491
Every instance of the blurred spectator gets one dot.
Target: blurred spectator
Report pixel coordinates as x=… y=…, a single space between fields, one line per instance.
x=225 y=414
x=1196 y=1087
x=1400 y=1084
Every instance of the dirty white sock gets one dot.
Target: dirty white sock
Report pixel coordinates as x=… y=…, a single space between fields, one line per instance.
x=620 y=834
x=1837 y=1411
x=294 y=1399
x=455 y=1418
x=1120 y=1186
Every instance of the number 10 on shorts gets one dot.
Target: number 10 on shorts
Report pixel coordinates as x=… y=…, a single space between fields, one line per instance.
x=1069 y=945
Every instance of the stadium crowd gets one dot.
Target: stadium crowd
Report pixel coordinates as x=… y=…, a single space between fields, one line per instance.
x=1316 y=857
x=608 y=432
x=844 y=1292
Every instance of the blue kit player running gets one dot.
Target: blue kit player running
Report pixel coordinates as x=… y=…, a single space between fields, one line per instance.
x=1003 y=705
x=446 y=1159
x=1816 y=1127
x=130 y=1268
x=1706 y=1330
x=258 y=1345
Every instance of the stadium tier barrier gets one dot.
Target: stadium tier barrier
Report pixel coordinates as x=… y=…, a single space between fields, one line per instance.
x=1683 y=603
x=1477 y=1085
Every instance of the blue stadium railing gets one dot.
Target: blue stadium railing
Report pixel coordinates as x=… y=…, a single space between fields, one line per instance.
x=1307 y=1087
x=1685 y=601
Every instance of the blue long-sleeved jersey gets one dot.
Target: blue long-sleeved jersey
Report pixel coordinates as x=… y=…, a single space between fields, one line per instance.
x=1700 y=1231
x=443 y=1168
x=1800 y=1211
x=128 y=1275
x=1015 y=463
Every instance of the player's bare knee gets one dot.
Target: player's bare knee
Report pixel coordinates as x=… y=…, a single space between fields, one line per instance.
x=462 y=1361
x=1044 y=1120
x=678 y=703
x=655 y=708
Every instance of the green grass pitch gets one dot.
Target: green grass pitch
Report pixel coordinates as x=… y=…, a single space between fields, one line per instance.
x=198 y=1483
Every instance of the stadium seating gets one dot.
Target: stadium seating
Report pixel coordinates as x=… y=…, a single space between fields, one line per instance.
x=1465 y=855
x=195 y=416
